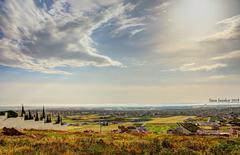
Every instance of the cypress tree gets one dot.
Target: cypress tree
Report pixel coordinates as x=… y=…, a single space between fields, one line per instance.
x=23 y=111
x=43 y=112
x=36 y=116
x=29 y=115
x=50 y=119
x=58 y=121
x=26 y=117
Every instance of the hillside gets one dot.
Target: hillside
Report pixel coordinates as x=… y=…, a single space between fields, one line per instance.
x=71 y=143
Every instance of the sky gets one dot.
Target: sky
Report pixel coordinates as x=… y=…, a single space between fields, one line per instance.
x=111 y=52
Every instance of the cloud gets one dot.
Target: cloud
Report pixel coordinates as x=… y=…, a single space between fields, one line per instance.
x=53 y=37
x=162 y=7
x=228 y=77
x=217 y=77
x=125 y=22
x=86 y=5
x=134 y=32
x=231 y=30
x=192 y=67
x=231 y=55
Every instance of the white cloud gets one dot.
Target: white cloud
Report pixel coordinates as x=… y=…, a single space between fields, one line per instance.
x=231 y=55
x=231 y=30
x=125 y=22
x=217 y=77
x=41 y=41
x=134 y=32
x=192 y=67
x=228 y=77
x=129 y=22
x=86 y=5
x=162 y=7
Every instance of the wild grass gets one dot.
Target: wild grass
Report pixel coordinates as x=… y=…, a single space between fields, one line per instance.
x=160 y=128
x=95 y=127
x=172 y=119
x=71 y=143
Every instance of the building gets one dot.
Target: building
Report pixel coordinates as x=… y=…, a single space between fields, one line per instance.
x=179 y=131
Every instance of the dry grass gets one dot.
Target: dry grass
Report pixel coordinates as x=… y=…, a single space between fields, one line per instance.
x=71 y=143
x=96 y=127
x=173 y=119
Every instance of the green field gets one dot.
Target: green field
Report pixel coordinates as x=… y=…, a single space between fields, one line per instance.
x=172 y=119
x=156 y=125
x=95 y=127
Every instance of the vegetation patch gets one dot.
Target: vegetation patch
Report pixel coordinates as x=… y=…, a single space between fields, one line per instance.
x=55 y=143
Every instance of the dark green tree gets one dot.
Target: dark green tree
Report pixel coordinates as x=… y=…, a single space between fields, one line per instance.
x=58 y=121
x=43 y=113
x=50 y=119
x=26 y=117
x=29 y=115
x=10 y=113
x=36 y=116
x=46 y=120
x=23 y=111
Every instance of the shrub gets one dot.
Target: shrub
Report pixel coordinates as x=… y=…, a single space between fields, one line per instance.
x=166 y=143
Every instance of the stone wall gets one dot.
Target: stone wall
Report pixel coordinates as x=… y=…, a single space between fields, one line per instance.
x=20 y=123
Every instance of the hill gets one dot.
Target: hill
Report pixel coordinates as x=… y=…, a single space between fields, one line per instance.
x=70 y=143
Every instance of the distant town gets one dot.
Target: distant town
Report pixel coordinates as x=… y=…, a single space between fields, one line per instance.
x=203 y=121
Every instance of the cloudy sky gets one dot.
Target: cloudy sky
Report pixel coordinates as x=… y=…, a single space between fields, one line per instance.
x=106 y=52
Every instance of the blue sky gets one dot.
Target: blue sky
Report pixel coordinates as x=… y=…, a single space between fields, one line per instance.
x=118 y=52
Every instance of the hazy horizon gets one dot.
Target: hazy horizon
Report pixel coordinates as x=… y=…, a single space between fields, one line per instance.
x=125 y=105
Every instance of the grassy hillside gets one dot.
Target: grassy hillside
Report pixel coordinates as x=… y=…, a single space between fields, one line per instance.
x=71 y=143
x=172 y=119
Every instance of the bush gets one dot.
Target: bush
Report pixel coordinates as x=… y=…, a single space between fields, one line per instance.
x=10 y=113
x=2 y=142
x=166 y=143
x=54 y=143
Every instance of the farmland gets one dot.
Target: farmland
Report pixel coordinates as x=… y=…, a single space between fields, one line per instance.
x=159 y=125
